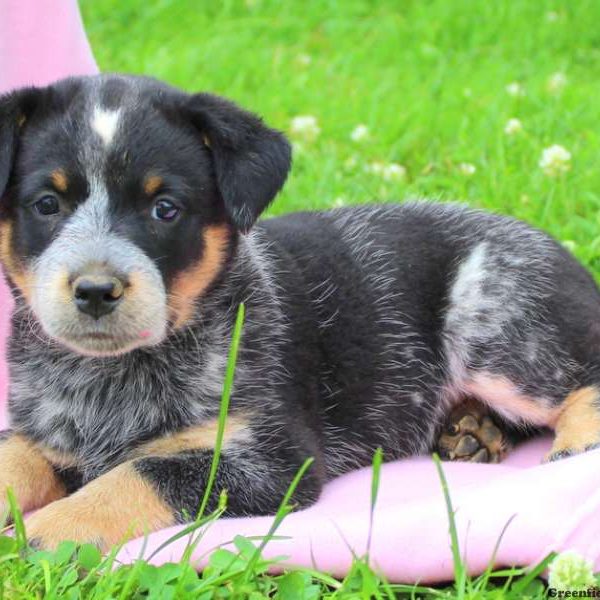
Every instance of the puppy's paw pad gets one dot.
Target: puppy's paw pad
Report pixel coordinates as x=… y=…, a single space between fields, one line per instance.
x=471 y=435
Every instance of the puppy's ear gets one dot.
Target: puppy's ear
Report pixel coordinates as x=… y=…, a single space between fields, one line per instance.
x=15 y=108
x=251 y=161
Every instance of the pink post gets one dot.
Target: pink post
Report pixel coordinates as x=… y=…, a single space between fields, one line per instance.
x=40 y=41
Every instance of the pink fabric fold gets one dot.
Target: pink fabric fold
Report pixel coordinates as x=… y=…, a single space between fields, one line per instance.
x=550 y=507
x=42 y=41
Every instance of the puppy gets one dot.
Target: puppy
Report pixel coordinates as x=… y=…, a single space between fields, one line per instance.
x=128 y=237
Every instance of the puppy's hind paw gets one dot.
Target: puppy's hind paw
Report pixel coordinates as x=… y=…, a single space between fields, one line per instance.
x=471 y=435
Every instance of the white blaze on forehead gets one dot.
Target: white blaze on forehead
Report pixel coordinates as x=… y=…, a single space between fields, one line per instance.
x=105 y=123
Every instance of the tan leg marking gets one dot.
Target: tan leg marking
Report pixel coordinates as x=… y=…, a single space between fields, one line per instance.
x=194 y=438
x=509 y=402
x=59 y=180
x=189 y=285
x=578 y=424
x=19 y=276
x=58 y=459
x=24 y=468
x=151 y=184
x=108 y=510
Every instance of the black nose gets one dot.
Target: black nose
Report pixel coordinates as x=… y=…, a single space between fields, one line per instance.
x=97 y=296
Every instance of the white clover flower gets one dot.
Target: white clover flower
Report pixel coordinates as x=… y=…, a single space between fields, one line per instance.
x=570 y=245
x=360 y=133
x=393 y=172
x=555 y=160
x=467 y=92
x=376 y=168
x=513 y=126
x=515 y=89
x=339 y=202
x=305 y=127
x=552 y=16
x=387 y=171
x=556 y=82
x=467 y=169
x=570 y=571
x=304 y=60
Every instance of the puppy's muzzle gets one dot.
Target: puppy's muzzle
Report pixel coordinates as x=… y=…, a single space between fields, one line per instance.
x=97 y=295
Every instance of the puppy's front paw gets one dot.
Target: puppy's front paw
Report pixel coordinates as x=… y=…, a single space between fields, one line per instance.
x=107 y=511
x=64 y=520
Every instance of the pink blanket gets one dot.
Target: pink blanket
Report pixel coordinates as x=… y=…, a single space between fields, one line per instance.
x=553 y=507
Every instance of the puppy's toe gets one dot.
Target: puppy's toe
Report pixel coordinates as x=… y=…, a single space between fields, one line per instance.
x=554 y=455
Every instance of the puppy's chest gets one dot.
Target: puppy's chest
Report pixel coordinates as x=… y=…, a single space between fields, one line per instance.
x=93 y=415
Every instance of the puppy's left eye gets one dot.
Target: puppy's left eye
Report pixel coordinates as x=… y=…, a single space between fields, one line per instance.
x=165 y=209
x=47 y=205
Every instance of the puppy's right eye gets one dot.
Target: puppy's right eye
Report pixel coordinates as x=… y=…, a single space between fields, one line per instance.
x=47 y=205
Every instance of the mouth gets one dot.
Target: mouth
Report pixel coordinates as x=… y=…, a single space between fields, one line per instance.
x=94 y=343
x=94 y=335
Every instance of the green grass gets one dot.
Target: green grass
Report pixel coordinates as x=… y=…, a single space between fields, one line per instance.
x=428 y=78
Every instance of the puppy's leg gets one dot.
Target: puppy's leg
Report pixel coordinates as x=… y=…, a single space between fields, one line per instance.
x=164 y=484
x=104 y=512
x=25 y=469
x=577 y=427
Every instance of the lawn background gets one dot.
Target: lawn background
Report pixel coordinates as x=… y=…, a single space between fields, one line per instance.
x=428 y=78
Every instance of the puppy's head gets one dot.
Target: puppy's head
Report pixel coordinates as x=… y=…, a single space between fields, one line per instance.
x=120 y=198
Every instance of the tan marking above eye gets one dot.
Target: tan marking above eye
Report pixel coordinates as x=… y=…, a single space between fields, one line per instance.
x=59 y=180
x=189 y=285
x=152 y=184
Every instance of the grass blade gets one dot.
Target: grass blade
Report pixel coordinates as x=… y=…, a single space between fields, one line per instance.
x=225 y=397
x=459 y=568
x=375 y=481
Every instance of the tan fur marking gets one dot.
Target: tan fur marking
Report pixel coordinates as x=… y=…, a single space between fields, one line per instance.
x=152 y=184
x=58 y=459
x=578 y=424
x=21 y=278
x=193 y=438
x=188 y=286
x=59 y=180
x=505 y=398
x=24 y=468
x=106 y=511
